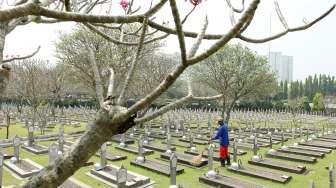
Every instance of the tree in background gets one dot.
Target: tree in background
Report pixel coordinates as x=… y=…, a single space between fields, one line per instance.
x=236 y=73
x=112 y=117
x=318 y=102
x=303 y=104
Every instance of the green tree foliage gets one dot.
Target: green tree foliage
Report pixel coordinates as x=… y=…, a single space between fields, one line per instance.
x=322 y=83
x=303 y=104
x=237 y=73
x=318 y=102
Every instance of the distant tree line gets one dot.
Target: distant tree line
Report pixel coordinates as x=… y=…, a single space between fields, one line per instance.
x=322 y=83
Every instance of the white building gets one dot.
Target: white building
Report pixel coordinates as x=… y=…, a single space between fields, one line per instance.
x=282 y=65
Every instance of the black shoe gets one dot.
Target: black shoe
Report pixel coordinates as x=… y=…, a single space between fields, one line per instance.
x=222 y=161
x=228 y=161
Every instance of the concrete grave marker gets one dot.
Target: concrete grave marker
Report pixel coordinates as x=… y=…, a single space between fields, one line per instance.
x=173 y=166
x=102 y=152
x=1 y=167
x=53 y=152
x=30 y=136
x=16 y=144
x=122 y=177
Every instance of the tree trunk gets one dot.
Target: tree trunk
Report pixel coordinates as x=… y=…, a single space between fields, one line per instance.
x=3 y=33
x=228 y=111
x=99 y=132
x=223 y=108
x=7 y=131
x=8 y=124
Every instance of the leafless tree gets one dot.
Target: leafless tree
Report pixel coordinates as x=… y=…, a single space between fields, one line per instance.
x=112 y=117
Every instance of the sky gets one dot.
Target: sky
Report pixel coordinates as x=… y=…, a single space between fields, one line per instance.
x=313 y=50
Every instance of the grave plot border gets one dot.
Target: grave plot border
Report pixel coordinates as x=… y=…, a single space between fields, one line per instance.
x=112 y=180
x=146 y=165
x=134 y=150
x=295 y=169
x=225 y=183
x=21 y=173
x=292 y=157
x=31 y=149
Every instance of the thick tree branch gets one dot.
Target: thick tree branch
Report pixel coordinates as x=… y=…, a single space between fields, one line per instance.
x=23 y=57
x=33 y=8
x=231 y=34
x=175 y=105
x=199 y=39
x=164 y=109
x=179 y=30
x=5 y=70
x=110 y=88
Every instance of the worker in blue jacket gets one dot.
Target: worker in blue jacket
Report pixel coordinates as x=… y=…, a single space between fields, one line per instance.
x=223 y=136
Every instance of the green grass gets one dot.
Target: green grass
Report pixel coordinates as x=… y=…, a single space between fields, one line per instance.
x=317 y=172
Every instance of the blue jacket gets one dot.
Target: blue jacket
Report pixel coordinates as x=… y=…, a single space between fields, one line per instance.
x=222 y=135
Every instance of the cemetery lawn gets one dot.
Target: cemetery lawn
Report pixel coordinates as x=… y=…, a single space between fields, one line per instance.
x=189 y=179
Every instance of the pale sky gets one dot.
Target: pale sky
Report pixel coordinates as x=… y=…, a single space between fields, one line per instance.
x=313 y=49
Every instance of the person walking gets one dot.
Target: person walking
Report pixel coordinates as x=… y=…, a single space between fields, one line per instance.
x=223 y=136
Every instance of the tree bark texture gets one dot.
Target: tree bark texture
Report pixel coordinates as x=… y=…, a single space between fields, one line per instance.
x=100 y=131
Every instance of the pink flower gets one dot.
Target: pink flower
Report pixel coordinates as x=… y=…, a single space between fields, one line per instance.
x=195 y=2
x=124 y=4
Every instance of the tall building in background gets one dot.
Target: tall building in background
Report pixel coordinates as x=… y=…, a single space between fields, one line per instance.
x=282 y=65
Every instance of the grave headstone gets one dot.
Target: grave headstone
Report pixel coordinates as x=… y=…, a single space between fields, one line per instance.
x=235 y=150
x=16 y=144
x=173 y=167
x=122 y=177
x=30 y=135
x=301 y=134
x=312 y=185
x=61 y=138
x=168 y=141
x=102 y=151
x=122 y=140
x=270 y=140
x=331 y=176
x=255 y=145
x=53 y=152
x=1 y=167
x=282 y=138
x=210 y=157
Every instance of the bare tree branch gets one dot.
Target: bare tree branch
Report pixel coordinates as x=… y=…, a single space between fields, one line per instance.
x=280 y=15
x=231 y=34
x=33 y=8
x=134 y=61
x=228 y=2
x=98 y=81
x=199 y=39
x=5 y=70
x=179 y=30
x=23 y=57
x=116 y=41
x=164 y=109
x=175 y=105
x=110 y=89
x=218 y=36
x=300 y=28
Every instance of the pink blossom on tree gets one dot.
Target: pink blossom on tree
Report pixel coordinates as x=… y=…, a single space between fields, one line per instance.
x=124 y=4
x=195 y=2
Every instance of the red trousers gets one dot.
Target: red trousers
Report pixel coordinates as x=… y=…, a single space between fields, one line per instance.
x=223 y=152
